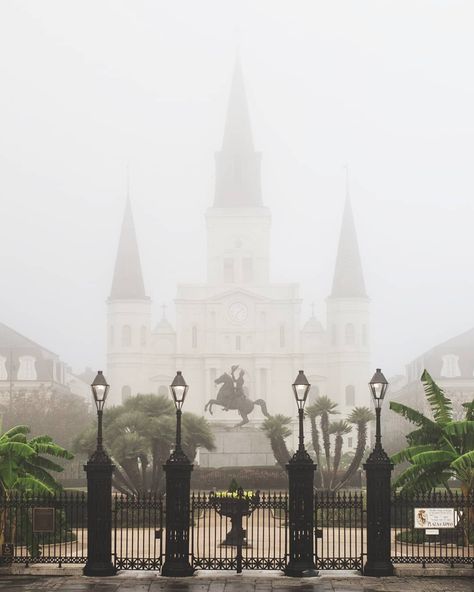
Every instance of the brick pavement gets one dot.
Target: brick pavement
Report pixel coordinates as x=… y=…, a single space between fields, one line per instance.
x=233 y=583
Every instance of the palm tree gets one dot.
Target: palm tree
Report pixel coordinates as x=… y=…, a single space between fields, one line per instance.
x=313 y=413
x=139 y=435
x=323 y=407
x=23 y=466
x=440 y=447
x=276 y=428
x=339 y=429
x=360 y=417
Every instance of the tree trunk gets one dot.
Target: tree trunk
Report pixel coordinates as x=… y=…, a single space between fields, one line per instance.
x=326 y=443
x=337 y=459
x=359 y=454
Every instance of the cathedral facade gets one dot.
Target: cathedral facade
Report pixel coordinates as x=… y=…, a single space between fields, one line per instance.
x=238 y=316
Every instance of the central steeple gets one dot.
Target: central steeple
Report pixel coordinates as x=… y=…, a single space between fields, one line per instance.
x=237 y=164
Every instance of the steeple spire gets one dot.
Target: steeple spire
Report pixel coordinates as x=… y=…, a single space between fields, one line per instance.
x=127 y=283
x=237 y=164
x=348 y=279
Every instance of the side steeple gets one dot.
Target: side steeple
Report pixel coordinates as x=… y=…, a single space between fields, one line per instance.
x=238 y=181
x=348 y=281
x=127 y=282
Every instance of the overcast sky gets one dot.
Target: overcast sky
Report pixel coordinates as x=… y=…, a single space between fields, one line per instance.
x=91 y=87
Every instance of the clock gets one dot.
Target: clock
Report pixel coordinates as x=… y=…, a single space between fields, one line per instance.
x=238 y=312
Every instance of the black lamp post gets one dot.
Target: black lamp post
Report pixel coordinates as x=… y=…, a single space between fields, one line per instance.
x=178 y=488
x=301 y=499
x=99 y=469
x=378 y=470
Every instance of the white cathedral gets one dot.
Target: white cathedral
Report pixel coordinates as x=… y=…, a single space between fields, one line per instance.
x=238 y=316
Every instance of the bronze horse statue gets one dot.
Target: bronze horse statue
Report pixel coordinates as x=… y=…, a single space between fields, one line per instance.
x=232 y=396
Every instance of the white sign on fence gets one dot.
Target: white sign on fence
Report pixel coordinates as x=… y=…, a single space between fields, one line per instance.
x=435 y=518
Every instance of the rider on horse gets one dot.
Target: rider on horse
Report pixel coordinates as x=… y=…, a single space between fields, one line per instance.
x=238 y=388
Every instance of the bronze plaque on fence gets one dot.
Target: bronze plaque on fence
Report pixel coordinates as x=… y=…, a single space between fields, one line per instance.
x=43 y=519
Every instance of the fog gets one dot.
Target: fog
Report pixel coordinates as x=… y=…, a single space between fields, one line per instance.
x=92 y=89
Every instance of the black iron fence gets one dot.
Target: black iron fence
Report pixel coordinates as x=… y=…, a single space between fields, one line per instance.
x=236 y=533
x=339 y=530
x=137 y=526
x=420 y=531
x=44 y=528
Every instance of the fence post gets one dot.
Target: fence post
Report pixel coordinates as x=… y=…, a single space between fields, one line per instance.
x=99 y=471
x=378 y=470
x=301 y=515
x=178 y=490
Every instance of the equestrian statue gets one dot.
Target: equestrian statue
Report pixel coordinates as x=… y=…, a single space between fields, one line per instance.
x=231 y=395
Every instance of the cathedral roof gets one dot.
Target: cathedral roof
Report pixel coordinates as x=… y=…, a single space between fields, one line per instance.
x=127 y=282
x=237 y=164
x=164 y=327
x=312 y=325
x=348 y=279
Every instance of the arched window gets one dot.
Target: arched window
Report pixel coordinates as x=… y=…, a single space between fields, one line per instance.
x=334 y=335
x=450 y=368
x=194 y=337
x=350 y=334
x=364 y=335
x=350 y=395
x=228 y=270
x=143 y=335
x=27 y=369
x=282 y=336
x=247 y=270
x=126 y=336
x=111 y=335
x=3 y=368
x=126 y=393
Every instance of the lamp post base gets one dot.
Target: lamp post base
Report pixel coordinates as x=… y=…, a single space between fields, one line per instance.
x=98 y=569
x=378 y=569
x=177 y=569
x=301 y=569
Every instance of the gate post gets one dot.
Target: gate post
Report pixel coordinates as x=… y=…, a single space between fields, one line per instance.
x=99 y=469
x=378 y=470
x=99 y=516
x=178 y=490
x=301 y=496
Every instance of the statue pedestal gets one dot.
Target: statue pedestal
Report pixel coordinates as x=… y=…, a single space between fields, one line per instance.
x=246 y=446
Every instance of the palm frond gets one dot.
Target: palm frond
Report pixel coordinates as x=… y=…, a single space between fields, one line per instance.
x=413 y=416
x=440 y=404
x=407 y=454
x=432 y=457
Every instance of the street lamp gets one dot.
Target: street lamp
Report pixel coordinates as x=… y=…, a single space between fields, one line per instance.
x=378 y=387
x=301 y=388
x=99 y=469
x=179 y=389
x=301 y=470
x=378 y=470
x=178 y=489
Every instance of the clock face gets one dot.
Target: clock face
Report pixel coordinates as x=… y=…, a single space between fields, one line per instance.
x=238 y=312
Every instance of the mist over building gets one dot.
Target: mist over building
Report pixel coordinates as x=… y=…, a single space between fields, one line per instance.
x=238 y=316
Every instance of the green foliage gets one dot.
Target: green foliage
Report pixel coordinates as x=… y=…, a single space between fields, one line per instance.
x=22 y=464
x=277 y=429
x=139 y=435
x=440 y=448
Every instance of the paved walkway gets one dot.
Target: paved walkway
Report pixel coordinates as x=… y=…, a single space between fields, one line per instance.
x=227 y=583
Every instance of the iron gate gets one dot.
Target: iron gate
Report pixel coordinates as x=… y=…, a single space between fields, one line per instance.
x=244 y=532
x=339 y=530
x=137 y=531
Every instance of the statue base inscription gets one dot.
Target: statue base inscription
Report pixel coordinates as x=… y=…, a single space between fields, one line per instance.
x=238 y=447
